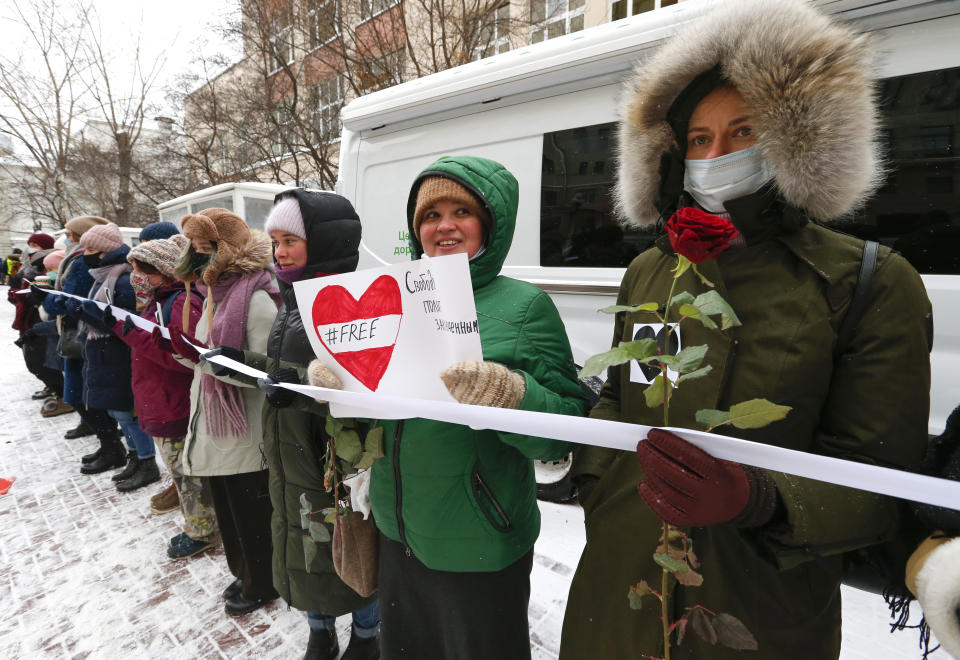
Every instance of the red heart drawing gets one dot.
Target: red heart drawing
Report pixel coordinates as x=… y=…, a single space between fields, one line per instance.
x=340 y=320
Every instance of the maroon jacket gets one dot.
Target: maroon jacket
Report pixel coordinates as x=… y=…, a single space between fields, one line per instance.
x=161 y=385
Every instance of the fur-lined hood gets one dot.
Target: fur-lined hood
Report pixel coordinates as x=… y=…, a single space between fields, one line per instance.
x=256 y=254
x=239 y=249
x=807 y=80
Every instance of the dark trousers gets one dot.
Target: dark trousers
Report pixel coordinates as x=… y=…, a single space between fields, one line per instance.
x=105 y=426
x=452 y=616
x=242 y=505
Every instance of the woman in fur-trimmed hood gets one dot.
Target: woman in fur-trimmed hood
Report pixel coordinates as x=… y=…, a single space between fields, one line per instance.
x=761 y=112
x=224 y=432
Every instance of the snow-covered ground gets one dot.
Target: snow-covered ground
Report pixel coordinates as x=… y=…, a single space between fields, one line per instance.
x=83 y=569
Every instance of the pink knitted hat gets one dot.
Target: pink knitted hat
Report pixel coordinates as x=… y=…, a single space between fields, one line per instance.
x=285 y=216
x=102 y=238
x=52 y=260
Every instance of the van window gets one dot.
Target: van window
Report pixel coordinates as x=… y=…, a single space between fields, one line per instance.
x=225 y=202
x=173 y=215
x=256 y=211
x=577 y=226
x=916 y=212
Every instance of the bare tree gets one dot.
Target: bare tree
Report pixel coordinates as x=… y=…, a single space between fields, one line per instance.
x=275 y=115
x=41 y=93
x=122 y=105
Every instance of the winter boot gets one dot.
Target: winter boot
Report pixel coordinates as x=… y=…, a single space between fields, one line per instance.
x=132 y=462
x=41 y=394
x=233 y=590
x=112 y=455
x=362 y=648
x=146 y=473
x=182 y=546
x=55 y=406
x=323 y=645
x=166 y=500
x=90 y=458
x=80 y=431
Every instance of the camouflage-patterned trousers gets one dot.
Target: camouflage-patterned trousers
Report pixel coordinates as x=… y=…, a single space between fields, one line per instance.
x=196 y=501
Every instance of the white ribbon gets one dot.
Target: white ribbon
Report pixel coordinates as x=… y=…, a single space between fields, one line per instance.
x=623 y=436
x=119 y=313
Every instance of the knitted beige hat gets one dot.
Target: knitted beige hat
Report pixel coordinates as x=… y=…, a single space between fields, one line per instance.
x=82 y=223
x=102 y=238
x=161 y=253
x=438 y=188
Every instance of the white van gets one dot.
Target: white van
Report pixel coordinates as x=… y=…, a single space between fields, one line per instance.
x=250 y=201
x=547 y=113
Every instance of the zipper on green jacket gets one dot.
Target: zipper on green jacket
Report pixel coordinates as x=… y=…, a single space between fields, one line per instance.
x=398 y=487
x=480 y=488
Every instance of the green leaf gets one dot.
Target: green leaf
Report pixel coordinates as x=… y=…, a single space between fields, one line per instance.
x=645 y=307
x=686 y=360
x=654 y=392
x=329 y=515
x=711 y=303
x=636 y=593
x=626 y=351
x=701 y=625
x=682 y=265
x=699 y=373
x=319 y=532
x=710 y=418
x=689 y=577
x=366 y=461
x=691 y=312
x=669 y=563
x=733 y=634
x=682 y=298
x=756 y=413
x=305 y=509
x=309 y=551
x=333 y=426
x=373 y=443
x=348 y=446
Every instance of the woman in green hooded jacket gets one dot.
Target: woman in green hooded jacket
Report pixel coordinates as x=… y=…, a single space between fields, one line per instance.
x=456 y=507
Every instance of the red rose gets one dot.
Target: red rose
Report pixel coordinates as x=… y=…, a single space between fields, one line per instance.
x=698 y=235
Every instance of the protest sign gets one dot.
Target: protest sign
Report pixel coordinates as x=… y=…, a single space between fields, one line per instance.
x=393 y=329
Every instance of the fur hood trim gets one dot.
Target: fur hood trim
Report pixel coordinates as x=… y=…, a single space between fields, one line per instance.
x=253 y=255
x=808 y=82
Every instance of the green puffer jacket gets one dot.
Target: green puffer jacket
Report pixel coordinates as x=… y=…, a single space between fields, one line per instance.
x=465 y=500
x=791 y=289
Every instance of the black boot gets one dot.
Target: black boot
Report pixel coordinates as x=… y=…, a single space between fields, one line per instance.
x=80 y=431
x=146 y=474
x=112 y=456
x=90 y=458
x=132 y=462
x=362 y=648
x=323 y=645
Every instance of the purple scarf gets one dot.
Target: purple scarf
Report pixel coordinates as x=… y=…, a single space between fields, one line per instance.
x=289 y=275
x=224 y=410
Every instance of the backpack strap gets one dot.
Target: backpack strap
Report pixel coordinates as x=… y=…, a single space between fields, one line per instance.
x=167 y=309
x=859 y=302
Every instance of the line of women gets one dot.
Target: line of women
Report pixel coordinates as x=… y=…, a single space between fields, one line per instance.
x=761 y=113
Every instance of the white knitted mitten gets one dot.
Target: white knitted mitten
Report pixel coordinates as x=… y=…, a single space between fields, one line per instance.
x=320 y=375
x=933 y=574
x=484 y=384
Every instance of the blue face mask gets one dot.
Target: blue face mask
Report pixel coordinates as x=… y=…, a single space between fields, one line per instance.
x=713 y=181
x=66 y=240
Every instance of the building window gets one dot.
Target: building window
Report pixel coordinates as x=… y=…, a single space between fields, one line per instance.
x=283 y=118
x=624 y=8
x=329 y=102
x=381 y=71
x=323 y=22
x=494 y=35
x=281 y=43
x=370 y=8
x=555 y=18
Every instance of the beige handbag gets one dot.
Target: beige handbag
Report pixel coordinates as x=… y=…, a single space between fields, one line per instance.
x=355 y=551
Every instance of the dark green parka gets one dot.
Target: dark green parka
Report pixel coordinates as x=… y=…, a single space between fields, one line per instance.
x=294 y=439
x=807 y=88
x=465 y=500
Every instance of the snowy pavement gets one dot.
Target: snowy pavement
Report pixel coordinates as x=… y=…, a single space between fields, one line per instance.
x=84 y=574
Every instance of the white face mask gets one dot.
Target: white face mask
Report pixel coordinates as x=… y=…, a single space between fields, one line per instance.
x=713 y=181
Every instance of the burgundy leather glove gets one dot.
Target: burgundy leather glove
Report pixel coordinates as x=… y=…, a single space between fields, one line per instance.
x=180 y=346
x=688 y=487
